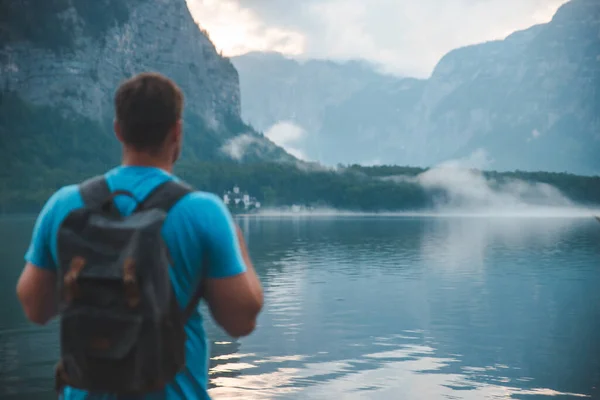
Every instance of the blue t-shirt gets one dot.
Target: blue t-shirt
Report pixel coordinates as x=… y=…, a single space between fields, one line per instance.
x=198 y=223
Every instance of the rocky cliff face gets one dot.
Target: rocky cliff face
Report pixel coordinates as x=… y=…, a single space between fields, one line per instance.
x=340 y=107
x=158 y=35
x=70 y=55
x=530 y=102
x=278 y=88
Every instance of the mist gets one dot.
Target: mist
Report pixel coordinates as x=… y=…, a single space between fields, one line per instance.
x=237 y=147
x=288 y=135
x=462 y=188
x=459 y=187
x=470 y=189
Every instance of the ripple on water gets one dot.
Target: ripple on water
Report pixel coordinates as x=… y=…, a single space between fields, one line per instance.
x=410 y=371
x=28 y=356
x=385 y=309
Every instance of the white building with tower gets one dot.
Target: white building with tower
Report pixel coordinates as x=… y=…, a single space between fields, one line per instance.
x=237 y=199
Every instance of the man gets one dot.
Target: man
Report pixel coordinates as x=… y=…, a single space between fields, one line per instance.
x=148 y=124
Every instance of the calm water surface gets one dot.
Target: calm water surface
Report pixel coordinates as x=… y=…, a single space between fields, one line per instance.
x=383 y=308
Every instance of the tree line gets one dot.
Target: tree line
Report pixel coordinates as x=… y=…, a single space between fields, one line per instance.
x=42 y=149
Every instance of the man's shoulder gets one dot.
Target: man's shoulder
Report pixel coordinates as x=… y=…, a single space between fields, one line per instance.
x=198 y=201
x=65 y=199
x=199 y=207
x=68 y=191
x=197 y=219
x=43 y=242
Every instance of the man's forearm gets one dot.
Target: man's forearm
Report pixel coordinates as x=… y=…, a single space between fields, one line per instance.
x=236 y=301
x=255 y=282
x=36 y=290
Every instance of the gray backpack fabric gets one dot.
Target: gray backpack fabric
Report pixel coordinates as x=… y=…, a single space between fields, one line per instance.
x=121 y=329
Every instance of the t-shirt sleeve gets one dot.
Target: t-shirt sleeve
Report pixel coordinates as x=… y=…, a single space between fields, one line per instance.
x=39 y=251
x=224 y=255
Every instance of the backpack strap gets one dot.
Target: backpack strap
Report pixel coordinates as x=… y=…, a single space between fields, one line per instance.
x=96 y=194
x=164 y=197
x=94 y=191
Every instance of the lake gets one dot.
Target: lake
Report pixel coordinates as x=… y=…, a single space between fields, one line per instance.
x=387 y=307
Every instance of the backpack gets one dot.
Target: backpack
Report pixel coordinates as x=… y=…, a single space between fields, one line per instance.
x=121 y=327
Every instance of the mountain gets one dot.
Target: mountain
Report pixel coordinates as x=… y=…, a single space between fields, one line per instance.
x=324 y=99
x=531 y=100
x=280 y=88
x=527 y=102
x=60 y=64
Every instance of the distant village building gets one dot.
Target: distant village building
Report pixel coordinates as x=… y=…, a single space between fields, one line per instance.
x=237 y=199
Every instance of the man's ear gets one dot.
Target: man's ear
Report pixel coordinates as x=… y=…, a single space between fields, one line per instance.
x=117 y=129
x=178 y=131
x=176 y=138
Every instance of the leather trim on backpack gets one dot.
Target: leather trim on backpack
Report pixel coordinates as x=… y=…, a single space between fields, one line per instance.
x=70 y=288
x=131 y=286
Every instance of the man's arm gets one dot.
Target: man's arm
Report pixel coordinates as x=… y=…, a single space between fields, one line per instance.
x=36 y=288
x=36 y=291
x=235 y=302
x=232 y=289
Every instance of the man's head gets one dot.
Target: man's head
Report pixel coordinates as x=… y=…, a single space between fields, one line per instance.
x=148 y=116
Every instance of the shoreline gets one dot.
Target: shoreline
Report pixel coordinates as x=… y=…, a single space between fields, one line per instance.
x=519 y=213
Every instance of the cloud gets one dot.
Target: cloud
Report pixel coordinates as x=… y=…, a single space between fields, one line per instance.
x=237 y=30
x=534 y=135
x=249 y=145
x=237 y=147
x=287 y=135
x=479 y=159
x=372 y=163
x=405 y=37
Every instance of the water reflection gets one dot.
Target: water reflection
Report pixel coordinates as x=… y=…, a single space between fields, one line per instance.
x=410 y=371
x=384 y=308
x=498 y=308
x=457 y=244
x=27 y=356
x=27 y=353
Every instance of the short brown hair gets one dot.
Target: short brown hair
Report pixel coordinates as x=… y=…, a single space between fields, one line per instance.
x=147 y=106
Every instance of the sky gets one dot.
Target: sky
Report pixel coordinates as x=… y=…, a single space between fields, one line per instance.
x=403 y=37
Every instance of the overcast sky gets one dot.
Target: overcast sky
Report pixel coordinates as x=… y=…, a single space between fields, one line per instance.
x=407 y=37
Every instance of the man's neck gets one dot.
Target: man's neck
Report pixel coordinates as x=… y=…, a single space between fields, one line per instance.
x=145 y=160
